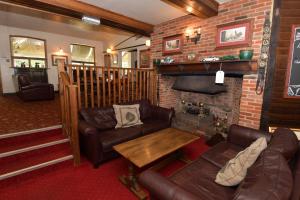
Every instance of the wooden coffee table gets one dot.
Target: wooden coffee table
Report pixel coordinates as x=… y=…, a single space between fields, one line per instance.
x=145 y=150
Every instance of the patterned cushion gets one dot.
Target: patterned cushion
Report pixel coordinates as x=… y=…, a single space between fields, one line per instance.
x=127 y=115
x=236 y=169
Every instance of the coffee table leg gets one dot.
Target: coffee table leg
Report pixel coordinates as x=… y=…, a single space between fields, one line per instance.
x=131 y=183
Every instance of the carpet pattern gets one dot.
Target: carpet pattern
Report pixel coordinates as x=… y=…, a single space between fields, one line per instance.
x=17 y=115
x=64 y=181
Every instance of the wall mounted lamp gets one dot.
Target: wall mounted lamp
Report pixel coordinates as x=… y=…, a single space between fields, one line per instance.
x=148 y=43
x=109 y=50
x=193 y=34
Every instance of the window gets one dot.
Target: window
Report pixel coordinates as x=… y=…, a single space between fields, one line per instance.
x=82 y=55
x=28 y=52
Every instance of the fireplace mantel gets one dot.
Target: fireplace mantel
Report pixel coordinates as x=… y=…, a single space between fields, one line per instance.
x=234 y=68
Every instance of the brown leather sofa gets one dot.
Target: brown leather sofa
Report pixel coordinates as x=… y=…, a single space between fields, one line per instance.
x=33 y=91
x=98 y=134
x=274 y=176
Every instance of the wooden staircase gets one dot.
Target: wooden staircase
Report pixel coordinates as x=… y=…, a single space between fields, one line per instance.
x=30 y=151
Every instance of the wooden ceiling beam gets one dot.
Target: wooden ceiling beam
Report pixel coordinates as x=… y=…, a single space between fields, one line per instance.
x=76 y=9
x=200 y=8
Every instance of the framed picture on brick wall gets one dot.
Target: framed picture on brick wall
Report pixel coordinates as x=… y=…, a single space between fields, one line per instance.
x=172 y=44
x=145 y=58
x=234 y=35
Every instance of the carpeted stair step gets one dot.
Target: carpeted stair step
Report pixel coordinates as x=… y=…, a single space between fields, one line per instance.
x=11 y=144
x=35 y=159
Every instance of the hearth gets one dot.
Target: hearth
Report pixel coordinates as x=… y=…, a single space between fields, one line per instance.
x=206 y=114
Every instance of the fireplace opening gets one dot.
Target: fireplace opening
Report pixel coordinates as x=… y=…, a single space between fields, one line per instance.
x=206 y=114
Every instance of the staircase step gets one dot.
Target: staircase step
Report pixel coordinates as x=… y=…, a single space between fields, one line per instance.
x=31 y=148
x=33 y=139
x=35 y=167
x=25 y=161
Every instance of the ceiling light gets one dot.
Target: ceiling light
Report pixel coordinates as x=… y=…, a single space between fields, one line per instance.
x=91 y=20
x=148 y=43
x=189 y=9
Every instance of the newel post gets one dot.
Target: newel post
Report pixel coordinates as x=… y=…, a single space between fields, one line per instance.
x=74 y=135
x=61 y=90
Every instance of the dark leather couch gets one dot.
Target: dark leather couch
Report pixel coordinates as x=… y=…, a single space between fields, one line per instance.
x=33 y=91
x=98 y=134
x=274 y=176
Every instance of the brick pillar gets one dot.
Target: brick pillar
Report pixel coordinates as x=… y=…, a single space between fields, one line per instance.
x=251 y=103
x=167 y=96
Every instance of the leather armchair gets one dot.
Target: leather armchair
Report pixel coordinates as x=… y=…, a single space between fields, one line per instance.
x=30 y=91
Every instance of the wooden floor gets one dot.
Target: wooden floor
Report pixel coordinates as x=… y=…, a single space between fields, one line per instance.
x=16 y=115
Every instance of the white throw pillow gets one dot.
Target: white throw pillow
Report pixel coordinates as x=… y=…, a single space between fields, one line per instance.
x=127 y=115
x=236 y=169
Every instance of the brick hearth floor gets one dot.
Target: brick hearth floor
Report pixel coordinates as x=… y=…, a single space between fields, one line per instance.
x=16 y=115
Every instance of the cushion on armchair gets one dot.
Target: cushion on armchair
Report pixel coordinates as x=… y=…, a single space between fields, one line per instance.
x=269 y=178
x=236 y=169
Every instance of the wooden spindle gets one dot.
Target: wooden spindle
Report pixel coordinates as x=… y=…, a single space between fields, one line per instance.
x=98 y=86
x=103 y=87
x=92 y=87
x=119 y=86
x=78 y=86
x=85 y=87
x=109 y=86
x=114 y=86
x=124 y=86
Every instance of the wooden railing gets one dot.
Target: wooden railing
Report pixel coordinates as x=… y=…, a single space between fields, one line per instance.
x=69 y=110
x=93 y=86
x=105 y=86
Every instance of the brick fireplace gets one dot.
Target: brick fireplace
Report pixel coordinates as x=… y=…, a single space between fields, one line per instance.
x=241 y=97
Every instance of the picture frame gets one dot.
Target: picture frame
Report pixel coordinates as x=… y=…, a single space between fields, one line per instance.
x=172 y=44
x=55 y=58
x=145 y=58
x=292 y=79
x=235 y=34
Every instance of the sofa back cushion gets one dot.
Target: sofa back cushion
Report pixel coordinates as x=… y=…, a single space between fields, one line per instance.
x=270 y=178
x=101 y=118
x=23 y=80
x=284 y=141
x=145 y=108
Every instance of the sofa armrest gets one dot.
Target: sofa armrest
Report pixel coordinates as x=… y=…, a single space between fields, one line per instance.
x=163 y=189
x=164 y=114
x=86 y=129
x=243 y=136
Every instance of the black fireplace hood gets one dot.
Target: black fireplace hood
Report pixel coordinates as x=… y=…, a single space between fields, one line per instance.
x=198 y=84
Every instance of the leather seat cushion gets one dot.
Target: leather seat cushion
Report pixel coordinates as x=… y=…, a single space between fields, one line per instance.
x=199 y=179
x=112 y=137
x=153 y=125
x=269 y=178
x=101 y=118
x=221 y=153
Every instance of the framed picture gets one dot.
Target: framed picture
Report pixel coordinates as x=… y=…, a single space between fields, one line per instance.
x=55 y=58
x=235 y=34
x=145 y=58
x=172 y=44
x=292 y=80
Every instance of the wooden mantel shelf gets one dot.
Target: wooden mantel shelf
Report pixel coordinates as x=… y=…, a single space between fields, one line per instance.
x=230 y=67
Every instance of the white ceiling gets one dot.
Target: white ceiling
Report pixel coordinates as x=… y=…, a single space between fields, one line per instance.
x=149 y=11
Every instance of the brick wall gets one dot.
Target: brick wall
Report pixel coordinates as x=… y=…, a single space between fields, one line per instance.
x=228 y=12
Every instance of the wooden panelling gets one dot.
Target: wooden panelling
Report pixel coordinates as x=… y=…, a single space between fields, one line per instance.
x=283 y=111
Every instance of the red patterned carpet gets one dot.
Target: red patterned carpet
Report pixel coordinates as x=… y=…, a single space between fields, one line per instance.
x=65 y=182
x=17 y=115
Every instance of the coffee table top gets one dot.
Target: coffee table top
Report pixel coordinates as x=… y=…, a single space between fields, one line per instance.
x=144 y=150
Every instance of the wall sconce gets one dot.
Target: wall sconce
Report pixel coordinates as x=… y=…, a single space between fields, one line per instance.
x=193 y=34
x=148 y=43
x=109 y=50
x=60 y=52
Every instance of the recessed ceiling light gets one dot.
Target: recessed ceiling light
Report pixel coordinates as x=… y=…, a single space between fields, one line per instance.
x=189 y=9
x=91 y=20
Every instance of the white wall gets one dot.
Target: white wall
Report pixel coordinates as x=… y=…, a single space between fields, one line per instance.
x=54 y=43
